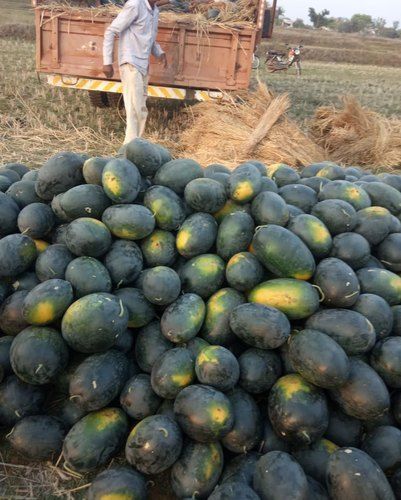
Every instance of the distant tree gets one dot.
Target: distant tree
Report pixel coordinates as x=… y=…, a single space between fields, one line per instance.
x=379 y=25
x=361 y=22
x=280 y=11
x=319 y=19
x=299 y=23
x=396 y=25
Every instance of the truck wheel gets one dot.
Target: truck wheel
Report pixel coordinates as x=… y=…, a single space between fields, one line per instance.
x=99 y=99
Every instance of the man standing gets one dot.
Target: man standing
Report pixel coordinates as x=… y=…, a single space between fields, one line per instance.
x=136 y=26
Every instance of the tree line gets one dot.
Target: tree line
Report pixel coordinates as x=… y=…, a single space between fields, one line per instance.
x=358 y=23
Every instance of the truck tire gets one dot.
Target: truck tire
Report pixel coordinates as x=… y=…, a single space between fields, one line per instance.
x=99 y=99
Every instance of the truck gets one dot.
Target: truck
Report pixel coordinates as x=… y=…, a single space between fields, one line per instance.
x=201 y=66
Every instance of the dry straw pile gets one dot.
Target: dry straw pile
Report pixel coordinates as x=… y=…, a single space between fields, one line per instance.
x=354 y=135
x=255 y=126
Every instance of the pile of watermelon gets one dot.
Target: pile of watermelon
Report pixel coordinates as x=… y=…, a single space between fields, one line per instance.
x=237 y=330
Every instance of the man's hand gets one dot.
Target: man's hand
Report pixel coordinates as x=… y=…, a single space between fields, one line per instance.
x=163 y=60
x=108 y=70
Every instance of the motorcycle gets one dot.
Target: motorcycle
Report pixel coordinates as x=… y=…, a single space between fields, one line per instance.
x=280 y=61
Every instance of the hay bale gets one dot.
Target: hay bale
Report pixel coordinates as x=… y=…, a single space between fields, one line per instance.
x=253 y=126
x=354 y=135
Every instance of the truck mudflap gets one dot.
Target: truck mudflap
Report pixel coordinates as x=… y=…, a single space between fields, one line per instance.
x=116 y=87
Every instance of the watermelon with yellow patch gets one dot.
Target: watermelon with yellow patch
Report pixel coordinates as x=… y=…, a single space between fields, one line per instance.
x=230 y=207
x=173 y=371
x=129 y=222
x=297 y=299
x=216 y=328
x=204 y=413
x=283 y=253
x=41 y=245
x=298 y=410
x=182 y=320
x=313 y=232
x=373 y=223
x=381 y=282
x=38 y=355
x=118 y=483
x=244 y=271
x=94 y=322
x=245 y=183
x=158 y=248
x=154 y=444
x=198 y=469
x=17 y=253
x=217 y=366
x=94 y=439
x=202 y=275
x=282 y=174
x=332 y=171
x=12 y=320
x=196 y=235
x=166 y=206
x=93 y=169
x=47 y=302
x=121 y=180
x=346 y=191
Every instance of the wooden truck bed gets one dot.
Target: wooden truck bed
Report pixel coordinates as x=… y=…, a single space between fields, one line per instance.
x=69 y=43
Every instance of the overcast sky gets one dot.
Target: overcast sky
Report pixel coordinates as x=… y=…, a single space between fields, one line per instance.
x=389 y=9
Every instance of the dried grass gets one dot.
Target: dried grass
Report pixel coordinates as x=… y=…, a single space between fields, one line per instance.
x=354 y=135
x=223 y=132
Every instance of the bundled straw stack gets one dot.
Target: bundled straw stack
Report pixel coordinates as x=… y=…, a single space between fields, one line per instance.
x=254 y=127
x=354 y=135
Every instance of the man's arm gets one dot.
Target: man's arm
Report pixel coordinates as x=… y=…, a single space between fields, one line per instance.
x=124 y=19
x=158 y=52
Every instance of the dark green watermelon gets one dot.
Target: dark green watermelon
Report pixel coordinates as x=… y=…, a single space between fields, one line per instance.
x=99 y=379
x=20 y=168
x=23 y=192
x=346 y=191
x=232 y=491
x=280 y=473
x=270 y=208
x=12 y=320
x=36 y=220
x=240 y=469
x=161 y=285
x=259 y=370
x=86 y=200
x=260 y=326
x=352 y=248
x=146 y=156
x=314 y=182
x=18 y=400
x=5 y=345
x=204 y=413
x=386 y=360
x=17 y=254
x=38 y=437
x=176 y=174
x=88 y=237
x=140 y=310
x=38 y=355
x=149 y=345
x=337 y=215
x=173 y=371
x=332 y=171
x=60 y=173
x=247 y=429
x=234 y=235
x=377 y=311
x=381 y=282
x=337 y=283
x=388 y=252
x=364 y=395
x=197 y=235
x=94 y=439
x=205 y=195
x=373 y=224
x=350 y=329
x=384 y=195
x=154 y=444
x=383 y=444
x=318 y=358
x=138 y=399
x=229 y=207
x=270 y=441
x=283 y=174
x=302 y=197
x=94 y=322
x=314 y=458
x=52 y=262
x=353 y=475
x=124 y=262
x=343 y=429
x=9 y=211
x=87 y=275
